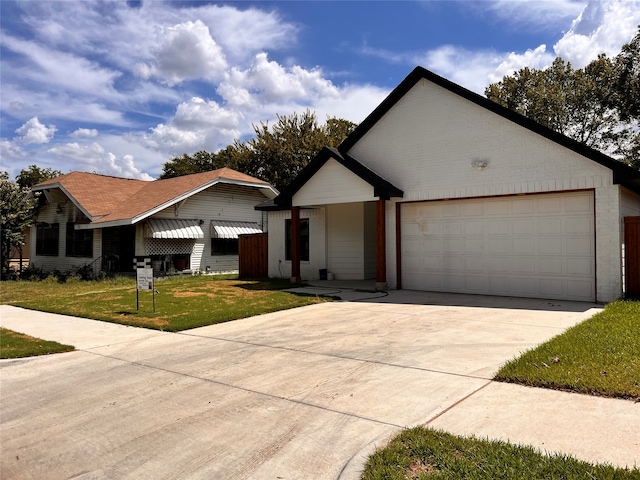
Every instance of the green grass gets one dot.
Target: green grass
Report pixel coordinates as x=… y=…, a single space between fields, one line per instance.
x=600 y=356
x=181 y=302
x=422 y=453
x=18 y=345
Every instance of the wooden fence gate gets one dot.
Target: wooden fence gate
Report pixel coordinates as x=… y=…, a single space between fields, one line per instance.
x=632 y=256
x=253 y=258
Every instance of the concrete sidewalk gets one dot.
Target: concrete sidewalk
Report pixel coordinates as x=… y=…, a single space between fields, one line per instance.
x=303 y=393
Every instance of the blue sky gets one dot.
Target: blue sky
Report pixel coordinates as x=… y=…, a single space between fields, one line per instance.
x=119 y=88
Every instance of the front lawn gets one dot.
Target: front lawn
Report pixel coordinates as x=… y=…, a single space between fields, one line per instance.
x=600 y=356
x=18 y=345
x=423 y=453
x=180 y=302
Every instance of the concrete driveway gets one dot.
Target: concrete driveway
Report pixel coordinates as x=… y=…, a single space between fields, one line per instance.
x=299 y=394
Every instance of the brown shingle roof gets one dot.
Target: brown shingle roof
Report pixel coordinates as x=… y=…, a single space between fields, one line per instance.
x=115 y=199
x=99 y=195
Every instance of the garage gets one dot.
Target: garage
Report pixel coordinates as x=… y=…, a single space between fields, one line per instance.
x=540 y=246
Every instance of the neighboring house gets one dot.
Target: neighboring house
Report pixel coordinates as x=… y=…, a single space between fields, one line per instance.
x=188 y=223
x=440 y=189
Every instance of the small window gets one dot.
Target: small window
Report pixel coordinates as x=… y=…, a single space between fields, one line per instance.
x=304 y=239
x=47 y=239
x=224 y=246
x=79 y=242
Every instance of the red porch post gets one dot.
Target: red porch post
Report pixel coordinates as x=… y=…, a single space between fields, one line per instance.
x=381 y=244
x=295 y=245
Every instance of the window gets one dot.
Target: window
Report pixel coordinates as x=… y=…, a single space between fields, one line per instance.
x=224 y=246
x=304 y=239
x=79 y=242
x=47 y=236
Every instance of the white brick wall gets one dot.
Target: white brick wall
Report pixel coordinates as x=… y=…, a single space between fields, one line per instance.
x=608 y=241
x=426 y=145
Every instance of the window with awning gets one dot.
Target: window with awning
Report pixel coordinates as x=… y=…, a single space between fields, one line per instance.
x=231 y=230
x=173 y=229
x=224 y=235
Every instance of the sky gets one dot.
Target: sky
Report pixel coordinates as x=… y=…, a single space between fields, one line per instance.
x=121 y=87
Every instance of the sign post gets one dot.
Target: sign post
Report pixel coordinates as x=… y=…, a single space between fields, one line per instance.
x=144 y=281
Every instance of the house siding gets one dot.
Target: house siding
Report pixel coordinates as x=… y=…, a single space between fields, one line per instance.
x=630 y=203
x=70 y=214
x=369 y=240
x=345 y=235
x=333 y=184
x=220 y=202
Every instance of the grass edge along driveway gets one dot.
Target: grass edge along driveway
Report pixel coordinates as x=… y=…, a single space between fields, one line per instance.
x=600 y=356
x=181 y=303
x=18 y=345
x=424 y=453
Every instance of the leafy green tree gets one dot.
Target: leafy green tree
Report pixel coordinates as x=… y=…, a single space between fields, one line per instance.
x=28 y=177
x=593 y=105
x=276 y=154
x=16 y=213
x=627 y=87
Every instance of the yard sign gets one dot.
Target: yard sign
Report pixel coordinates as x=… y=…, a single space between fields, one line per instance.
x=144 y=281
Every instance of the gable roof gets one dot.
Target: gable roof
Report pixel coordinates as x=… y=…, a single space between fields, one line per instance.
x=111 y=201
x=623 y=174
x=381 y=187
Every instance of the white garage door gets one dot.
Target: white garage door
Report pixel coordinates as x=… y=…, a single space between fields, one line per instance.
x=527 y=246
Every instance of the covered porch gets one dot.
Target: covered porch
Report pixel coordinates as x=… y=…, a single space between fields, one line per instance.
x=337 y=221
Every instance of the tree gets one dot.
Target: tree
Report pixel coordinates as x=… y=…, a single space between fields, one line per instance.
x=28 y=177
x=276 y=154
x=627 y=86
x=584 y=104
x=16 y=212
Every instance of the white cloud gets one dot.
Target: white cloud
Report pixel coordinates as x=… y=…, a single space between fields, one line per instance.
x=198 y=113
x=541 y=14
x=94 y=157
x=10 y=150
x=353 y=102
x=84 y=133
x=599 y=27
x=35 y=132
x=52 y=68
x=602 y=27
x=269 y=82
x=475 y=70
x=186 y=52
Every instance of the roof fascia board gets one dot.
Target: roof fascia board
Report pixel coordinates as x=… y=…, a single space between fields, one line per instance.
x=382 y=188
x=95 y=226
x=200 y=188
x=50 y=186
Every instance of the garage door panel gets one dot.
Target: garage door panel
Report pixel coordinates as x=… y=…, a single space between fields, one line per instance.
x=580 y=266
x=525 y=265
x=551 y=245
x=522 y=246
x=551 y=266
x=524 y=226
x=498 y=227
x=532 y=246
x=549 y=204
x=498 y=245
x=579 y=225
x=579 y=204
x=550 y=226
x=501 y=264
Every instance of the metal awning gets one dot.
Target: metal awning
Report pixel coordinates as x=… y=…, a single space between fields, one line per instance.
x=173 y=228
x=227 y=229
